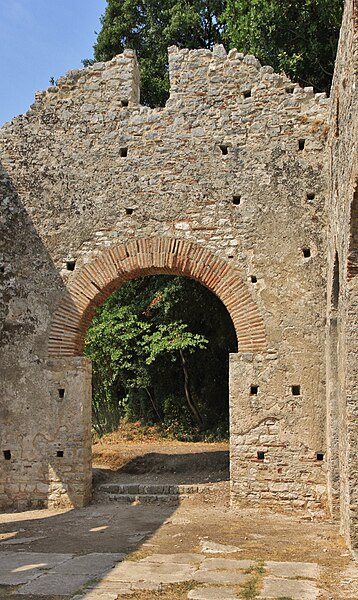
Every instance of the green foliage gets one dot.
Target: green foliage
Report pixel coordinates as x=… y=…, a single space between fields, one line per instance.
x=149 y=27
x=299 y=38
x=152 y=360
x=116 y=346
x=88 y=62
x=250 y=589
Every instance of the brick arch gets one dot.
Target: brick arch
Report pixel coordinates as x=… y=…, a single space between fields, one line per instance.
x=96 y=281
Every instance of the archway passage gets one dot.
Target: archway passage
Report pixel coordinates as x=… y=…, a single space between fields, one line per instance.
x=160 y=348
x=154 y=418
x=96 y=281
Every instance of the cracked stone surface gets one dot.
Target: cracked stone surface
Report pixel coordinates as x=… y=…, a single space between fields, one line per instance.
x=349 y=583
x=213 y=593
x=95 y=559
x=22 y=567
x=174 y=558
x=293 y=569
x=165 y=572
x=226 y=563
x=292 y=588
x=54 y=584
x=223 y=577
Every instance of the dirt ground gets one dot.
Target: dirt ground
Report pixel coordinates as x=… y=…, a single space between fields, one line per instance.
x=141 y=530
x=262 y=534
x=157 y=460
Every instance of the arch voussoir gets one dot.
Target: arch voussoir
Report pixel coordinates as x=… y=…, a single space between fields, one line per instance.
x=97 y=280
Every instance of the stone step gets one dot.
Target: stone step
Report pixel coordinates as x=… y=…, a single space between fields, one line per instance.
x=141 y=498
x=145 y=493
x=155 y=488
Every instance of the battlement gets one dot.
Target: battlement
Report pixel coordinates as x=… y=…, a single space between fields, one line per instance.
x=197 y=77
x=220 y=76
x=112 y=84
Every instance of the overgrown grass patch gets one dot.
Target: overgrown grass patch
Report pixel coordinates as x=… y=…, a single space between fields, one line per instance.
x=173 y=591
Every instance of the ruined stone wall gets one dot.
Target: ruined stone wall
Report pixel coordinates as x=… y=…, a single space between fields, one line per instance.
x=342 y=307
x=44 y=436
x=235 y=166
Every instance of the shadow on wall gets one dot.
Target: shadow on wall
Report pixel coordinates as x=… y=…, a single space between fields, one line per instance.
x=30 y=288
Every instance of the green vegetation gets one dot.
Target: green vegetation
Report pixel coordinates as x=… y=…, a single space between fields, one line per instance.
x=258 y=568
x=149 y=27
x=250 y=589
x=160 y=348
x=299 y=38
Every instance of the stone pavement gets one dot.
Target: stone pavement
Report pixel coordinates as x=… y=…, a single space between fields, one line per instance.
x=212 y=578
x=106 y=575
x=204 y=552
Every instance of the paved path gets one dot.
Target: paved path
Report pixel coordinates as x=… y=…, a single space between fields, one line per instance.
x=105 y=576
x=104 y=552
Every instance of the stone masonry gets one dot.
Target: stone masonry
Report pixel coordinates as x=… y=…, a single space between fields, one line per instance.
x=228 y=184
x=342 y=283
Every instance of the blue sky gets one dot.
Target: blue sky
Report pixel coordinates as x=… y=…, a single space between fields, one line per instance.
x=40 y=39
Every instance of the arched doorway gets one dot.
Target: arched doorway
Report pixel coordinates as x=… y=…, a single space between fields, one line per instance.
x=160 y=349
x=91 y=285
x=96 y=281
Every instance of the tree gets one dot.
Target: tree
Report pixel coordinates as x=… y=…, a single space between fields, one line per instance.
x=299 y=38
x=149 y=27
x=151 y=357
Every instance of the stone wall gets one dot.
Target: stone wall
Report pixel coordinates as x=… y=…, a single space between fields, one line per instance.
x=342 y=306
x=44 y=437
x=231 y=178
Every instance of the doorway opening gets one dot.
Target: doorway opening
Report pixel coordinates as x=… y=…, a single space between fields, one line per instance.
x=160 y=351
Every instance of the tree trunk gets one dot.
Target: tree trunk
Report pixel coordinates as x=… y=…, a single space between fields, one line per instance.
x=191 y=403
x=153 y=404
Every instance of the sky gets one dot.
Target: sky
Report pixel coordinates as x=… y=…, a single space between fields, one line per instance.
x=40 y=39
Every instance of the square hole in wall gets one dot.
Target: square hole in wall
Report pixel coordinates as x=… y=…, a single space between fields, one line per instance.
x=319 y=456
x=260 y=455
x=59 y=453
x=224 y=149
x=123 y=152
x=290 y=89
x=253 y=279
x=70 y=265
x=246 y=93
x=124 y=102
x=129 y=211
x=301 y=144
x=296 y=390
x=310 y=195
x=306 y=252
x=61 y=393
x=236 y=200
x=254 y=390
x=7 y=454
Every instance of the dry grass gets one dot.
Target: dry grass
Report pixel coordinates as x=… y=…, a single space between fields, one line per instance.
x=131 y=440
x=175 y=591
